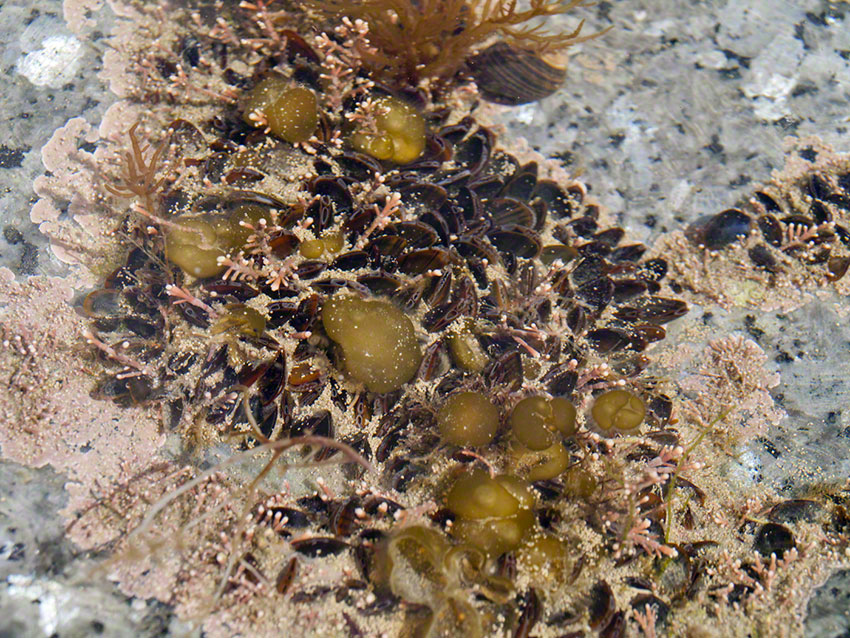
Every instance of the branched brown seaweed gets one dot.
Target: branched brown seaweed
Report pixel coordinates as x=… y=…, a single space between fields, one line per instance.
x=433 y=38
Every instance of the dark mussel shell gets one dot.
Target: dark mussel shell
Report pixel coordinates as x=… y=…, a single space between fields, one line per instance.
x=103 y=303
x=773 y=538
x=359 y=166
x=319 y=546
x=343 y=516
x=444 y=314
x=796 y=510
x=473 y=153
x=602 y=605
x=506 y=74
x=721 y=229
x=380 y=283
x=560 y=380
x=532 y=610
x=416 y=234
x=422 y=197
x=820 y=213
x=607 y=340
x=506 y=211
x=243 y=176
x=558 y=203
x=597 y=292
x=254 y=198
x=521 y=185
x=762 y=258
x=439 y=289
x=657 y=310
x=286 y=576
x=238 y=290
x=517 y=241
x=353 y=260
x=768 y=202
x=837 y=267
x=336 y=191
x=630 y=252
x=420 y=261
x=454 y=133
x=625 y=289
x=506 y=371
x=610 y=236
x=652 y=271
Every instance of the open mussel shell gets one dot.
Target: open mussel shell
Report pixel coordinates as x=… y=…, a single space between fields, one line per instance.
x=509 y=75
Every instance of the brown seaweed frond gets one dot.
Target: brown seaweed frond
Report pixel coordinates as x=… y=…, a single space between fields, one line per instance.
x=139 y=175
x=416 y=39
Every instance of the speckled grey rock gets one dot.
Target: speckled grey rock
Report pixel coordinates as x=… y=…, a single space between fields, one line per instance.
x=829 y=608
x=48 y=587
x=680 y=108
x=48 y=76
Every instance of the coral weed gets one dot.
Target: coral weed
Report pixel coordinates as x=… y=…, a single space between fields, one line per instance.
x=416 y=39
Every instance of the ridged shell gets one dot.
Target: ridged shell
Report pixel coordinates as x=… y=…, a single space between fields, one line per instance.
x=508 y=75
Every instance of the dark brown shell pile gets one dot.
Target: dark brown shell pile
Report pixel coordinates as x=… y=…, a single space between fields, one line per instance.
x=808 y=222
x=481 y=246
x=483 y=239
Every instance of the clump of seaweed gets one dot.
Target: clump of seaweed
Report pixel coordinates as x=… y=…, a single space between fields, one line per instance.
x=416 y=39
x=138 y=177
x=462 y=341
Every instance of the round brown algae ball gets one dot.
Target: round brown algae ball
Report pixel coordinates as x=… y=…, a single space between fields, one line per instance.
x=195 y=244
x=416 y=564
x=578 y=482
x=312 y=248
x=538 y=422
x=240 y=224
x=467 y=352
x=291 y=112
x=492 y=514
x=468 y=419
x=619 y=410
x=378 y=341
x=331 y=243
x=401 y=132
x=545 y=556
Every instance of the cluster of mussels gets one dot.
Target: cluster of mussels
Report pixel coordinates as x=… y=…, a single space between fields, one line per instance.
x=807 y=221
x=425 y=298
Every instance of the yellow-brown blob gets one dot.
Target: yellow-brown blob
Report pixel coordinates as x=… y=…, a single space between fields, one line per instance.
x=467 y=352
x=196 y=243
x=468 y=418
x=237 y=232
x=545 y=556
x=416 y=569
x=539 y=465
x=333 y=242
x=454 y=617
x=239 y=319
x=401 y=133
x=291 y=113
x=578 y=483
x=194 y=246
x=312 y=248
x=378 y=341
x=538 y=423
x=493 y=514
x=618 y=410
